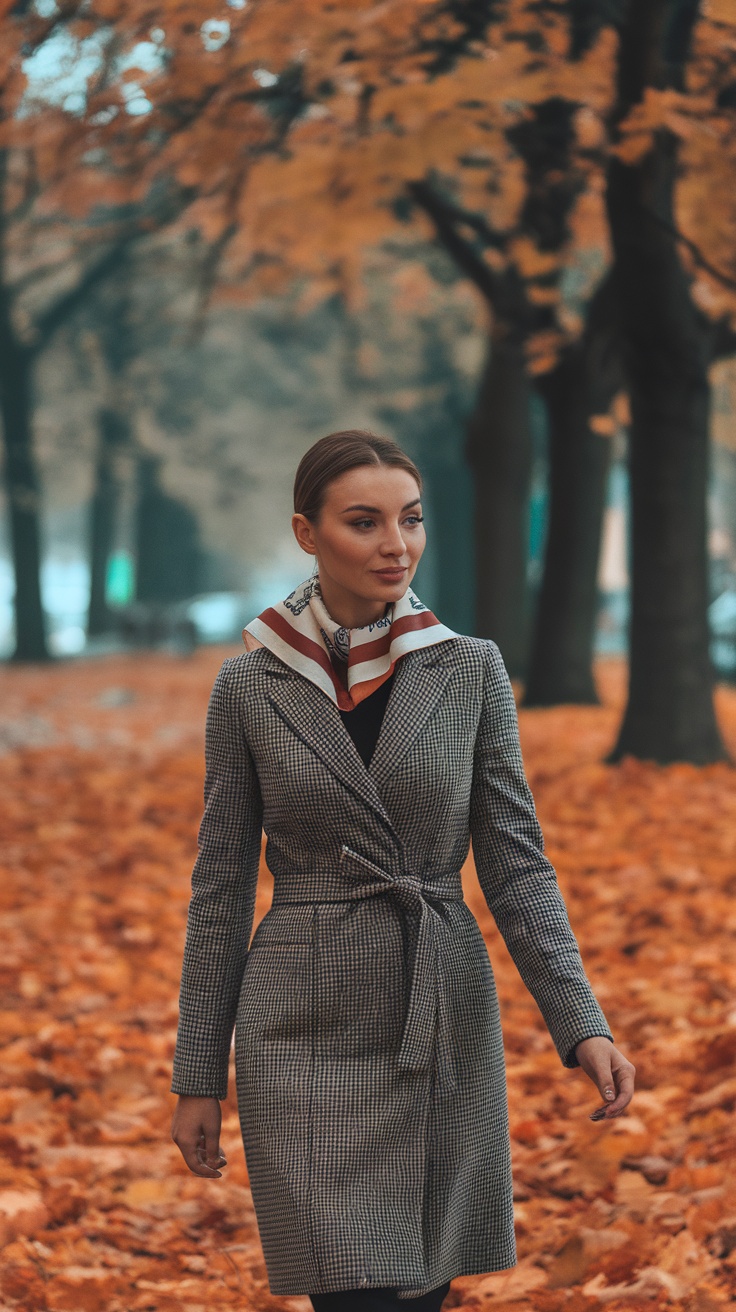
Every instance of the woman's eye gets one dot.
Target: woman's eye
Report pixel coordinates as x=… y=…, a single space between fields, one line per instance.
x=411 y=520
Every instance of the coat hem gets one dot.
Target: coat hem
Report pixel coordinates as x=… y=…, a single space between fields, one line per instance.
x=414 y=1291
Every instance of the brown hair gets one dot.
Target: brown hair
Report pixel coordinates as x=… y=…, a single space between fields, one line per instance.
x=335 y=454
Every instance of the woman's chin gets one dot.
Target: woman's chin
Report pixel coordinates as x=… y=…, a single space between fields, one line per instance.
x=389 y=593
x=398 y=585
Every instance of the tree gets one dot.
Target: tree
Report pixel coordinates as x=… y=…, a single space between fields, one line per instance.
x=110 y=337
x=648 y=126
x=113 y=436
x=580 y=384
x=167 y=541
x=88 y=165
x=577 y=391
x=19 y=352
x=46 y=271
x=489 y=149
x=670 y=343
x=199 y=109
x=353 y=111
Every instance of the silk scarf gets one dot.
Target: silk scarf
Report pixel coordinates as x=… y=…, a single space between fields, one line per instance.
x=301 y=632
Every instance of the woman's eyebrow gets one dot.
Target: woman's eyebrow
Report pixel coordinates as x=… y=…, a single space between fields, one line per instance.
x=374 y=510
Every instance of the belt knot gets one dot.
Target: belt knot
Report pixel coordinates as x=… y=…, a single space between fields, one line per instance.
x=426 y=1023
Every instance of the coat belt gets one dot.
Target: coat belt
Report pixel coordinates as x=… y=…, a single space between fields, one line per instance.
x=426 y=1026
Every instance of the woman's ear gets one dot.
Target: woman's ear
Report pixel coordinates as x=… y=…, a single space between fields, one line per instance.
x=303 y=534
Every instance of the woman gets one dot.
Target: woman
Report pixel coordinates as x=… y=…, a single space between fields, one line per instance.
x=371 y=743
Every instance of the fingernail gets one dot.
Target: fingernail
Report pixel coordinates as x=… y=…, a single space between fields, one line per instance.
x=609 y=1094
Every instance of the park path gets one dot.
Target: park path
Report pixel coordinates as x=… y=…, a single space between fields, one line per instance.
x=101 y=774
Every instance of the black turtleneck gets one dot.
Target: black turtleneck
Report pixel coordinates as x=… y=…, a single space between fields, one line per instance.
x=363 y=723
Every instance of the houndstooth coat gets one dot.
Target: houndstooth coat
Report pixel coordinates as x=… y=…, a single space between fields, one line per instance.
x=368 y=1052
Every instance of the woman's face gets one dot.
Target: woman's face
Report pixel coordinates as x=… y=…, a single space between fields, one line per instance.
x=368 y=541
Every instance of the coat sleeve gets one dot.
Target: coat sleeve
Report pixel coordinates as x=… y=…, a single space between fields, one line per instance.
x=222 y=904
x=518 y=882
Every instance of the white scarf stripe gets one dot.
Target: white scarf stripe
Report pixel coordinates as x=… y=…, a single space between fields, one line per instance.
x=297 y=660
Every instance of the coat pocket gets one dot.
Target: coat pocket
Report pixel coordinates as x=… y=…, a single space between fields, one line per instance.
x=275 y=1006
x=361 y=979
x=274 y=1032
x=284 y=927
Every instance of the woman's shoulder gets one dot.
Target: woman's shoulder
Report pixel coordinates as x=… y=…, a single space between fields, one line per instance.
x=239 y=670
x=464 y=647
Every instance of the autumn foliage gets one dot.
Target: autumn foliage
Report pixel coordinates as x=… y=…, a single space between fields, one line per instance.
x=284 y=109
x=102 y=775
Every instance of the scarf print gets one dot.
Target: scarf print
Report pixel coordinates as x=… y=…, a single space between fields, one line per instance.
x=301 y=632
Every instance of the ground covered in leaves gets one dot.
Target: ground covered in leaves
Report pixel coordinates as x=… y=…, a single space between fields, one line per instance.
x=101 y=774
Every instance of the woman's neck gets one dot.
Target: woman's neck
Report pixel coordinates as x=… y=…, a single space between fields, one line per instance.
x=349 y=611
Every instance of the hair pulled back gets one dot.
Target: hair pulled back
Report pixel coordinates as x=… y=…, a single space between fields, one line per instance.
x=335 y=454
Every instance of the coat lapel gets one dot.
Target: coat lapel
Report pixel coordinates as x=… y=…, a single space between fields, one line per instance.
x=418 y=687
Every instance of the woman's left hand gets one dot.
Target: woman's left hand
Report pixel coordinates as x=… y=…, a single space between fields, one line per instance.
x=610 y=1072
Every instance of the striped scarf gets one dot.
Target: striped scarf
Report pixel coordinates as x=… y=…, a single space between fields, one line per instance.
x=301 y=633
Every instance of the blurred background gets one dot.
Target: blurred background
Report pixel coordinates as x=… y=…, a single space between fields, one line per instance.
x=501 y=233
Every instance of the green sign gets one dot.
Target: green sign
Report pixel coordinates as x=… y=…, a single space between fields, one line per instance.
x=120 y=581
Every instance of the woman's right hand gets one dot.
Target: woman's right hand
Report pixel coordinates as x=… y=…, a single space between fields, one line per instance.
x=195 y=1130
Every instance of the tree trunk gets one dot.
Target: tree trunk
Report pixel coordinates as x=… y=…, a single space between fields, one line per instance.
x=114 y=433
x=451 y=499
x=560 y=668
x=22 y=483
x=670 y=714
x=499 y=452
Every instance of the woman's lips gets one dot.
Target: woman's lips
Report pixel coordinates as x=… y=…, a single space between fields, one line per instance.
x=390 y=573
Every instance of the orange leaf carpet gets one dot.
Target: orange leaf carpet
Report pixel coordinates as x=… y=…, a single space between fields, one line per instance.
x=101 y=770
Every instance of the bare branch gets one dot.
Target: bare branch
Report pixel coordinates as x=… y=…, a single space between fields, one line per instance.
x=31 y=191
x=35 y=276
x=725 y=279
x=57 y=314
x=211 y=264
x=504 y=291
x=425 y=192
x=446 y=217
x=158 y=212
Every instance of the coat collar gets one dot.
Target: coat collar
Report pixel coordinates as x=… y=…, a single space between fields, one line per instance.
x=419 y=684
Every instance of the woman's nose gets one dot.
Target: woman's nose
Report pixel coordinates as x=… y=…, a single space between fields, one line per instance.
x=394 y=544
